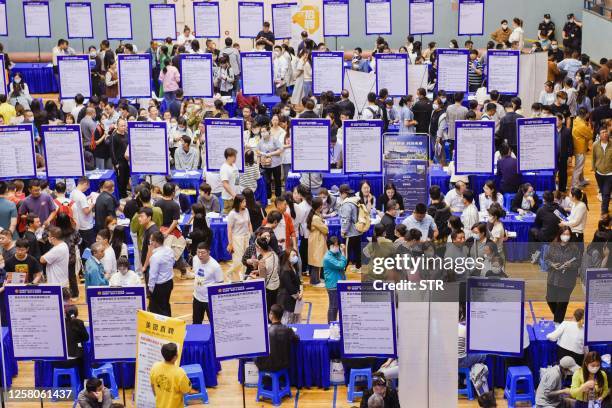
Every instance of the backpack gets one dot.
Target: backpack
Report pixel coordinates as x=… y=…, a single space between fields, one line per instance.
x=63 y=208
x=375 y=113
x=363 y=221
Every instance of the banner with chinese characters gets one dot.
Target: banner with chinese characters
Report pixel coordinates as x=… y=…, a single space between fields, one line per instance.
x=153 y=332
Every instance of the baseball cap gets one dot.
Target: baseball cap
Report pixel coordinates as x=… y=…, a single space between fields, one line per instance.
x=569 y=363
x=345 y=188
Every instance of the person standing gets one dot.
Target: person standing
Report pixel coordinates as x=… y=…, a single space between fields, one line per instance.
x=106 y=204
x=207 y=272
x=228 y=175
x=517 y=34
x=239 y=230
x=507 y=128
x=578 y=215
x=160 y=275
x=569 y=336
x=602 y=166
x=8 y=210
x=169 y=382
x=334 y=266
x=317 y=242
x=266 y=35
x=422 y=110
x=502 y=34
x=349 y=213
x=269 y=151
x=454 y=113
x=148 y=225
x=581 y=134
x=57 y=258
x=22 y=262
x=154 y=52
x=119 y=145
x=38 y=203
x=572 y=33
x=564 y=145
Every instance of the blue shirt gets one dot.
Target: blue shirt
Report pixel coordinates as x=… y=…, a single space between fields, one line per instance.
x=333 y=269
x=406 y=114
x=426 y=226
x=160 y=266
x=94 y=273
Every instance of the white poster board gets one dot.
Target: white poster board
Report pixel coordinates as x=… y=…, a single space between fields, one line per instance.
x=17 y=157
x=327 y=72
x=206 y=19
x=362 y=146
x=392 y=73
x=310 y=145
x=453 y=70
x=417 y=78
x=3 y=88
x=495 y=316
x=63 y=151
x=148 y=148
x=421 y=17
x=36 y=318
x=598 y=326
x=79 y=20
x=118 y=21
x=336 y=18
x=471 y=17
x=3 y=19
x=221 y=134
x=162 y=21
x=134 y=75
x=537 y=145
x=475 y=146
x=250 y=18
x=36 y=19
x=197 y=75
x=281 y=20
x=239 y=320
x=74 y=76
x=112 y=321
x=257 y=73
x=378 y=17
x=503 y=71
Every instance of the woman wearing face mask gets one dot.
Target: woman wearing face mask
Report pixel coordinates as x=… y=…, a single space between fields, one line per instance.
x=525 y=200
x=480 y=239
x=276 y=131
x=317 y=241
x=334 y=264
x=578 y=215
x=291 y=289
x=406 y=117
x=569 y=336
x=497 y=232
x=177 y=129
x=97 y=72
x=303 y=78
x=224 y=77
x=563 y=260
x=18 y=97
x=286 y=156
x=269 y=151
x=589 y=383
x=251 y=136
x=17 y=79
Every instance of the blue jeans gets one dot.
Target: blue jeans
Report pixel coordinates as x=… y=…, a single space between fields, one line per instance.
x=315 y=271
x=307 y=88
x=332 y=309
x=470 y=359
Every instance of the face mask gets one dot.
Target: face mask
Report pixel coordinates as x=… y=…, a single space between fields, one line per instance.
x=123 y=271
x=287 y=112
x=451 y=45
x=334 y=250
x=554 y=46
x=92 y=54
x=496 y=269
x=505 y=26
x=565 y=238
x=294 y=259
x=443 y=100
x=17 y=80
x=546 y=20
x=436 y=106
x=593 y=370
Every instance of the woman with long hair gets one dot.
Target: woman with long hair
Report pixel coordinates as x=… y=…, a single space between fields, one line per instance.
x=303 y=77
x=497 y=231
x=251 y=172
x=256 y=212
x=317 y=241
x=390 y=193
x=569 y=336
x=291 y=289
x=407 y=122
x=72 y=238
x=590 y=382
x=489 y=196
x=238 y=232
x=200 y=231
x=268 y=267
x=365 y=195
x=578 y=214
x=269 y=151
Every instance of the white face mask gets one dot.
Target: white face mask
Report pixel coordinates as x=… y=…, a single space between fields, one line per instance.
x=565 y=238
x=504 y=26
x=334 y=250
x=17 y=80
x=443 y=100
x=123 y=271
x=277 y=54
x=554 y=46
x=293 y=259
x=92 y=54
x=451 y=45
x=593 y=370
x=436 y=106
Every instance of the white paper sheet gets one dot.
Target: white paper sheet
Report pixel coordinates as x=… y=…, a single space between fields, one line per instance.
x=599 y=306
x=320 y=334
x=163 y=22
x=452 y=72
x=281 y=19
x=148 y=150
x=417 y=78
x=475 y=150
x=63 y=153
x=36 y=17
x=206 y=20
x=503 y=71
x=79 y=20
x=16 y=153
x=310 y=145
x=257 y=74
x=327 y=72
x=335 y=18
x=134 y=77
x=74 y=77
x=3 y=18
x=471 y=18
x=536 y=148
x=391 y=74
x=363 y=147
x=250 y=19
x=118 y=22
x=3 y=88
x=378 y=17
x=421 y=17
x=221 y=134
x=196 y=76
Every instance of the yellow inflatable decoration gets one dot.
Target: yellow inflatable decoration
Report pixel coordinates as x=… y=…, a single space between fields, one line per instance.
x=309 y=18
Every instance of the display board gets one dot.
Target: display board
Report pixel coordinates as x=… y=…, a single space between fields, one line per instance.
x=378 y=17
x=148 y=148
x=417 y=78
x=250 y=18
x=3 y=19
x=17 y=156
x=537 y=147
x=221 y=134
x=281 y=20
x=162 y=21
x=598 y=308
x=134 y=75
x=421 y=17
x=206 y=19
x=112 y=321
x=35 y=317
x=310 y=145
x=367 y=320
x=118 y=17
x=3 y=86
x=36 y=19
x=74 y=76
x=197 y=75
x=503 y=68
x=474 y=147
x=495 y=316
x=63 y=150
x=327 y=72
x=471 y=17
x=453 y=70
x=257 y=73
x=392 y=73
x=336 y=18
x=79 y=19
x=362 y=146
x=238 y=319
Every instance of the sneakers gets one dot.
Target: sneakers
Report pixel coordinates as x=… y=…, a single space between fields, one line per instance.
x=318 y=285
x=535 y=257
x=599 y=197
x=187 y=275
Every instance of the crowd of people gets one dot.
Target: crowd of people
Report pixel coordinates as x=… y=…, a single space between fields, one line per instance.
x=60 y=235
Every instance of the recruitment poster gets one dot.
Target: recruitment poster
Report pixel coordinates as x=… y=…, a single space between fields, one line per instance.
x=148 y=147
x=221 y=134
x=392 y=73
x=362 y=146
x=197 y=75
x=598 y=310
x=134 y=75
x=79 y=20
x=63 y=151
x=74 y=76
x=162 y=21
x=36 y=19
x=336 y=18
x=257 y=73
x=537 y=147
x=118 y=21
x=206 y=19
x=310 y=145
x=475 y=149
x=153 y=331
x=17 y=157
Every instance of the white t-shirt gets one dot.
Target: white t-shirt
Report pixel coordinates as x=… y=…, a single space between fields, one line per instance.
x=57 y=264
x=131 y=278
x=228 y=173
x=212 y=178
x=301 y=214
x=205 y=275
x=84 y=221
x=109 y=262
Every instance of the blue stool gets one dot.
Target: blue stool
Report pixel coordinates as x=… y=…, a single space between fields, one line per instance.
x=194 y=372
x=72 y=374
x=355 y=373
x=469 y=389
x=513 y=377
x=106 y=370
x=277 y=393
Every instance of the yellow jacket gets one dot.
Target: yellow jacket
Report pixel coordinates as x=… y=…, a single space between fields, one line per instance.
x=602 y=161
x=581 y=133
x=578 y=380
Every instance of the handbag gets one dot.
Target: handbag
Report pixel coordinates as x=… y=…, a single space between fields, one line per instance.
x=265 y=161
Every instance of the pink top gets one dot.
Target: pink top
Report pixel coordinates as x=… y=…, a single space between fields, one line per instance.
x=170 y=79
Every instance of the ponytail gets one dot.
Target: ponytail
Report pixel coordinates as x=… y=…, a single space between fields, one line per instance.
x=580 y=196
x=379 y=231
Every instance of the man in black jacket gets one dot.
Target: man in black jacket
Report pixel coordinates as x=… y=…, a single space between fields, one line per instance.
x=106 y=204
x=345 y=104
x=546 y=225
x=422 y=111
x=507 y=128
x=281 y=340
x=119 y=145
x=564 y=150
x=388 y=219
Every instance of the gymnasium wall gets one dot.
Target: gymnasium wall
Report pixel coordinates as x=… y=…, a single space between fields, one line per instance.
x=596 y=28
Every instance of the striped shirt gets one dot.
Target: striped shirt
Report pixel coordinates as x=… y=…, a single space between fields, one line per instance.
x=249 y=177
x=473 y=77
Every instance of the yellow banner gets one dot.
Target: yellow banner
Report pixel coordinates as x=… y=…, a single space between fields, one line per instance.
x=153 y=332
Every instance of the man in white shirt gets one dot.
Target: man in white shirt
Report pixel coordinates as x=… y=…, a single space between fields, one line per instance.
x=207 y=272
x=79 y=104
x=160 y=275
x=469 y=216
x=124 y=276
x=302 y=209
x=229 y=179
x=109 y=261
x=372 y=110
x=56 y=259
x=280 y=66
x=335 y=153
x=83 y=213
x=454 y=198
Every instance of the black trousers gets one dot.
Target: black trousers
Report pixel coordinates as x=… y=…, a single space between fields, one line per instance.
x=123 y=177
x=88 y=238
x=558 y=299
x=72 y=281
x=561 y=352
x=159 y=302
x=304 y=253
x=562 y=173
x=273 y=172
x=199 y=309
x=353 y=247
x=271 y=296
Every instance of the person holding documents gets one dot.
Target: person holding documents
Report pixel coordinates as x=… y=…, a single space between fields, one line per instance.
x=578 y=215
x=266 y=35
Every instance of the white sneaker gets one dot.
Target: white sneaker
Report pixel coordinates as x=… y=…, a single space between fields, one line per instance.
x=535 y=257
x=599 y=196
x=319 y=285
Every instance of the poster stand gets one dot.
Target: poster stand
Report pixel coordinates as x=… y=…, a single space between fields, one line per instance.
x=358 y=109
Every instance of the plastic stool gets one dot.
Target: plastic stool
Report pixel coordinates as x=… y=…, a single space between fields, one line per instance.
x=469 y=389
x=358 y=372
x=107 y=370
x=514 y=375
x=277 y=393
x=72 y=374
x=194 y=372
